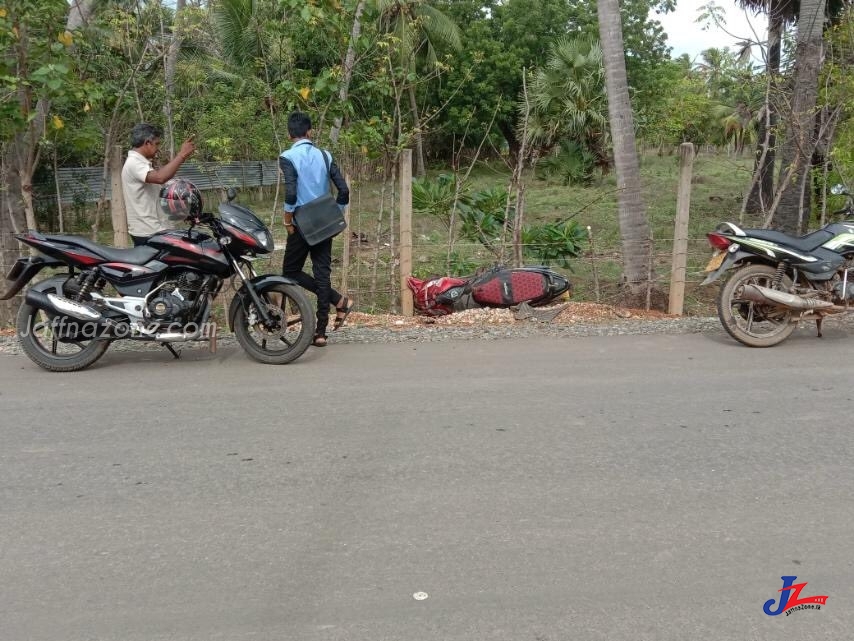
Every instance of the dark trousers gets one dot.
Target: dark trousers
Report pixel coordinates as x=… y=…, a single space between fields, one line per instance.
x=296 y=251
x=139 y=240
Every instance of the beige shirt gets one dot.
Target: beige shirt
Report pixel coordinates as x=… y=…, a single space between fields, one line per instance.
x=141 y=198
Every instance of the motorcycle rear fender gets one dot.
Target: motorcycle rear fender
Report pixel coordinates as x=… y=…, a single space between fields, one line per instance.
x=731 y=260
x=54 y=283
x=24 y=270
x=259 y=283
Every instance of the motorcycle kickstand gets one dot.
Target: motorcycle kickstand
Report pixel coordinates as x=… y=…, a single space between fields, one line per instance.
x=818 y=326
x=175 y=353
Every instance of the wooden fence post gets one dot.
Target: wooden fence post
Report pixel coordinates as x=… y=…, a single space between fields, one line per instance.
x=680 y=232
x=345 y=252
x=406 y=302
x=118 y=214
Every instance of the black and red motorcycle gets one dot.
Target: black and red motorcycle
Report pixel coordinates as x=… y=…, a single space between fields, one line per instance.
x=161 y=292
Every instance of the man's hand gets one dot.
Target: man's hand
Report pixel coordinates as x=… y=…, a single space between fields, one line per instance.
x=167 y=172
x=187 y=148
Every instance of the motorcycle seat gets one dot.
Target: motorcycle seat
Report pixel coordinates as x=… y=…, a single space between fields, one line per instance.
x=133 y=255
x=805 y=243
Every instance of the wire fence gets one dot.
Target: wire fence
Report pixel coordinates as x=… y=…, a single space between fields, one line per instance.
x=369 y=269
x=372 y=276
x=87 y=185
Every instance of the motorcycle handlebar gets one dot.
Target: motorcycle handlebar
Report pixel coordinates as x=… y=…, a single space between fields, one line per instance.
x=202 y=219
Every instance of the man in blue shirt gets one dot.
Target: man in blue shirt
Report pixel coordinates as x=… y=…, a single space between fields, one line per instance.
x=305 y=170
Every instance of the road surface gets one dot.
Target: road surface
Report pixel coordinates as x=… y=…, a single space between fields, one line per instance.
x=621 y=488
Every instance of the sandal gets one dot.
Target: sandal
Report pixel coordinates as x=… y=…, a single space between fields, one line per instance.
x=319 y=340
x=342 y=312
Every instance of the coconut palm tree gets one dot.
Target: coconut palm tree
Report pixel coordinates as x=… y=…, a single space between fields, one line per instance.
x=419 y=31
x=737 y=123
x=712 y=67
x=634 y=225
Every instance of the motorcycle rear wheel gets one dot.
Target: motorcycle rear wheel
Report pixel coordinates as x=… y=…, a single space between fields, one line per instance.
x=41 y=342
x=750 y=323
x=277 y=346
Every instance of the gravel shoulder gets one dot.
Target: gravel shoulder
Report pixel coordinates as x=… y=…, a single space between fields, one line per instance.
x=573 y=319
x=576 y=319
x=569 y=319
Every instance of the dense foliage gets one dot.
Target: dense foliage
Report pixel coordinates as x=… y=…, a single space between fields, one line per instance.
x=444 y=76
x=451 y=72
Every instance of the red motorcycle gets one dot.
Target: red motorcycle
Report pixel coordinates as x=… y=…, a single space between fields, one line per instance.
x=160 y=292
x=495 y=287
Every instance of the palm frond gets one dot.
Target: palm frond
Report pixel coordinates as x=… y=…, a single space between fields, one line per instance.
x=439 y=29
x=233 y=22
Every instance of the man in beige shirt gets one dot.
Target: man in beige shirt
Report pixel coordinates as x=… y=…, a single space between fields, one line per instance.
x=141 y=181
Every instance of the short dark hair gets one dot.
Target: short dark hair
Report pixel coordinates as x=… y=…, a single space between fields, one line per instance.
x=298 y=124
x=144 y=132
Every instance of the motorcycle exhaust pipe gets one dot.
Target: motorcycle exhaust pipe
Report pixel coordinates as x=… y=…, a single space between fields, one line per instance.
x=767 y=296
x=172 y=337
x=61 y=306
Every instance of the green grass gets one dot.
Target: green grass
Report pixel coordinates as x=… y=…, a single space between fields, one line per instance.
x=717 y=192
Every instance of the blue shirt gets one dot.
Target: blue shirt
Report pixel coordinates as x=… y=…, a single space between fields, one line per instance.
x=310 y=166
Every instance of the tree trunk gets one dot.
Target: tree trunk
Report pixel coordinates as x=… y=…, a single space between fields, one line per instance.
x=169 y=65
x=793 y=210
x=508 y=130
x=349 y=63
x=634 y=226
x=420 y=169
x=762 y=190
x=12 y=222
x=517 y=184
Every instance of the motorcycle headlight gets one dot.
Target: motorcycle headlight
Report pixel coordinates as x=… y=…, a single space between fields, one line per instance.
x=265 y=238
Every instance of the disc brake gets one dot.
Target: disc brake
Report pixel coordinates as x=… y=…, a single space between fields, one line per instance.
x=276 y=328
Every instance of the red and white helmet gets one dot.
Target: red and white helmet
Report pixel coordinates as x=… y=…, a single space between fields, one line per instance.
x=180 y=199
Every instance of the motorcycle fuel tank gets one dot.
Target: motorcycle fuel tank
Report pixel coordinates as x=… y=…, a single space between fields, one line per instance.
x=190 y=248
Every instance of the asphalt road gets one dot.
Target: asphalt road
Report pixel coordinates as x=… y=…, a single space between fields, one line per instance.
x=622 y=488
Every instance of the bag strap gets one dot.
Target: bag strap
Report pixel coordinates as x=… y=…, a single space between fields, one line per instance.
x=325 y=162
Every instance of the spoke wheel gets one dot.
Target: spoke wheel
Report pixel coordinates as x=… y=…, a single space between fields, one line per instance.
x=754 y=324
x=288 y=334
x=58 y=343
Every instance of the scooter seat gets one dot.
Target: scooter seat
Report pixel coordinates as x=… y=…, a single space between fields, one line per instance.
x=802 y=243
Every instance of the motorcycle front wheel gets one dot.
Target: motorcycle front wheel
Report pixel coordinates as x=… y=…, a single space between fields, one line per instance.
x=58 y=343
x=751 y=323
x=289 y=334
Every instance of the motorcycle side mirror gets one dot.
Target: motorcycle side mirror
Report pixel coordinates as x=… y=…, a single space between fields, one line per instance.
x=231 y=194
x=838 y=190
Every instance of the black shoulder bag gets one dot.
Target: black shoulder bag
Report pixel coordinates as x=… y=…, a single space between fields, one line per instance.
x=321 y=218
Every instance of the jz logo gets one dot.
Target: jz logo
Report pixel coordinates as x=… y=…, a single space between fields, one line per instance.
x=790 y=599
